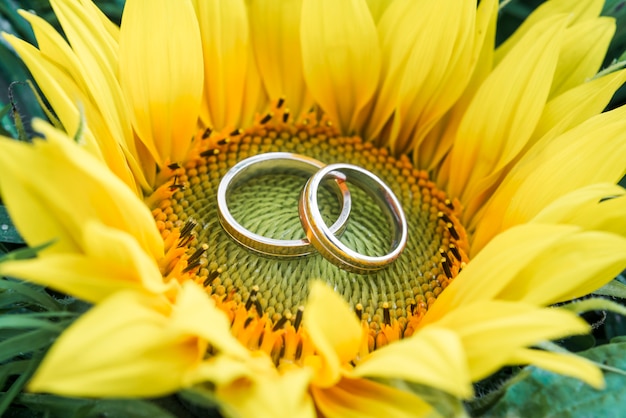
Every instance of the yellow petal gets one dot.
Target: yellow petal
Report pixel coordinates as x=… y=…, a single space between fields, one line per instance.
x=496 y=126
x=498 y=264
x=275 y=30
x=89 y=191
x=97 y=53
x=95 y=13
x=529 y=263
x=161 y=74
x=197 y=314
x=492 y=332
x=53 y=47
x=112 y=261
x=432 y=150
x=578 y=11
x=359 y=398
x=559 y=274
x=378 y=8
x=255 y=99
x=65 y=95
x=577 y=104
x=582 y=53
x=94 y=41
x=226 y=370
x=123 y=347
x=589 y=153
x=341 y=61
x=427 y=56
x=565 y=364
x=440 y=364
x=262 y=393
x=76 y=92
x=334 y=330
x=225 y=45
x=595 y=207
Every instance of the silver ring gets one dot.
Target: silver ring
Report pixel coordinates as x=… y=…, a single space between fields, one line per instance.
x=322 y=237
x=263 y=163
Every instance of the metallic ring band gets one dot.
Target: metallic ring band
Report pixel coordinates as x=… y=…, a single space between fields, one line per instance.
x=322 y=237
x=268 y=162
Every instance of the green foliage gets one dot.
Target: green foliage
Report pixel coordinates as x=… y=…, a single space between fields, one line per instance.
x=59 y=407
x=539 y=393
x=8 y=232
x=30 y=320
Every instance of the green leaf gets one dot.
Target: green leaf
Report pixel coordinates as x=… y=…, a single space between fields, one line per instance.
x=8 y=232
x=546 y=394
x=28 y=321
x=92 y=408
x=25 y=293
x=7 y=398
x=24 y=253
x=7 y=128
x=13 y=368
x=613 y=288
x=204 y=402
x=25 y=343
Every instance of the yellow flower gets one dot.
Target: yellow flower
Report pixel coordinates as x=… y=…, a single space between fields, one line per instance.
x=505 y=196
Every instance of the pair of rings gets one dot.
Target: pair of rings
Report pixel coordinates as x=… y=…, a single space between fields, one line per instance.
x=319 y=236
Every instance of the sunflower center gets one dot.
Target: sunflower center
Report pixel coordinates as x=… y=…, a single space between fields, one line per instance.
x=263 y=296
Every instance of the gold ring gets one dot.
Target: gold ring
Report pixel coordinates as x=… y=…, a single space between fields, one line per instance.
x=323 y=239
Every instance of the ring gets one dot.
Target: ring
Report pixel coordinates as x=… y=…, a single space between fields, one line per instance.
x=322 y=237
x=262 y=163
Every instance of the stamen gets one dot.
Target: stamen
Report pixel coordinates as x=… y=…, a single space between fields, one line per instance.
x=444 y=217
x=446 y=268
x=236 y=132
x=192 y=265
x=184 y=242
x=453 y=232
x=281 y=102
x=258 y=307
x=359 y=311
x=455 y=252
x=175 y=186
x=210 y=152
x=386 y=315
x=223 y=141
x=299 y=350
x=207 y=133
x=283 y=319
x=212 y=276
x=188 y=228
x=266 y=118
x=299 y=315
x=252 y=297
x=285 y=115
x=195 y=257
x=445 y=256
x=173 y=166
x=449 y=204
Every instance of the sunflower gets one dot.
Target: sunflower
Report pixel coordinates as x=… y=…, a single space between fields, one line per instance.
x=502 y=160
